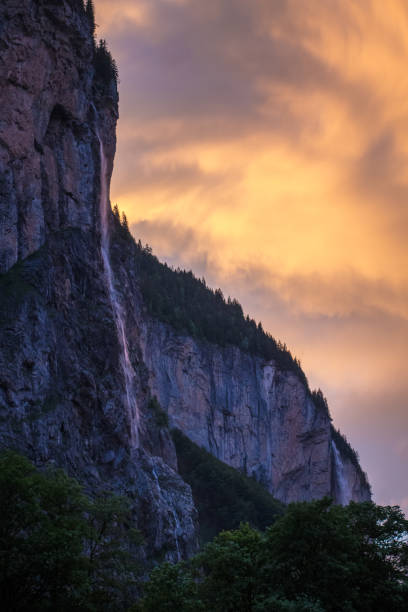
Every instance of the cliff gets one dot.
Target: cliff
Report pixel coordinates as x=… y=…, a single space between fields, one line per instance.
x=80 y=355
x=64 y=388
x=250 y=414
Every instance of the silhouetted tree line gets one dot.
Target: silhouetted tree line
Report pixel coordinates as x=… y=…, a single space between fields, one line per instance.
x=320 y=402
x=90 y=13
x=106 y=69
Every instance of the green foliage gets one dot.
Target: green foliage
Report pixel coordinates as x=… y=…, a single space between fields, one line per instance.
x=41 y=536
x=105 y=66
x=160 y=416
x=349 y=558
x=171 y=588
x=59 y=549
x=109 y=540
x=223 y=496
x=317 y=558
x=230 y=567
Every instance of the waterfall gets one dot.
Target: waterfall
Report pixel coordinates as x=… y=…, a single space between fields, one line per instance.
x=177 y=529
x=343 y=489
x=127 y=368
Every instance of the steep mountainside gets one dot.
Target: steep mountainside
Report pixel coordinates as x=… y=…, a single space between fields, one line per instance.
x=251 y=409
x=80 y=353
x=65 y=391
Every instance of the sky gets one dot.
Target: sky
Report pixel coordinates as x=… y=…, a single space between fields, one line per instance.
x=263 y=145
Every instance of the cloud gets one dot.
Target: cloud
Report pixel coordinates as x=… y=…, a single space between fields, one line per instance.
x=348 y=334
x=263 y=144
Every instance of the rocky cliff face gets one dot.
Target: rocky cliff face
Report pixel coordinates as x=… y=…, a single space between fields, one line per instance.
x=62 y=381
x=249 y=414
x=79 y=357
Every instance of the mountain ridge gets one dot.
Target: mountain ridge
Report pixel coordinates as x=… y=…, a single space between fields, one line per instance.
x=67 y=333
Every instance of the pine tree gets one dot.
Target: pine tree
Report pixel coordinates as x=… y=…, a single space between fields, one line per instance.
x=116 y=211
x=106 y=69
x=90 y=13
x=125 y=224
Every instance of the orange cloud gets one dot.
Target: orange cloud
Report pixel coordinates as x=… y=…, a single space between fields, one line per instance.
x=263 y=144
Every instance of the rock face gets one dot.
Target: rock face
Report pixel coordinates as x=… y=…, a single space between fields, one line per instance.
x=79 y=357
x=62 y=383
x=249 y=414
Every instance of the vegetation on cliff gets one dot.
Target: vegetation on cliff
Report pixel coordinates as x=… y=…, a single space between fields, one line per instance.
x=224 y=497
x=105 y=66
x=106 y=69
x=90 y=13
x=186 y=303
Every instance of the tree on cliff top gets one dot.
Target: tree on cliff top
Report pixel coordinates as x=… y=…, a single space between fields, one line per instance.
x=106 y=69
x=90 y=13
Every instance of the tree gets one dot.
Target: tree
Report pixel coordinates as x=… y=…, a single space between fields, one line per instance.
x=348 y=558
x=116 y=212
x=90 y=13
x=112 y=573
x=230 y=566
x=224 y=497
x=318 y=557
x=106 y=69
x=171 y=588
x=60 y=549
x=41 y=538
x=125 y=224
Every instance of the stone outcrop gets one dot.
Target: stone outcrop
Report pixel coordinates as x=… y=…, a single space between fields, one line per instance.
x=64 y=391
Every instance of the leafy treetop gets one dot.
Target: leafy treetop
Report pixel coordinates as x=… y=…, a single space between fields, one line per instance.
x=60 y=549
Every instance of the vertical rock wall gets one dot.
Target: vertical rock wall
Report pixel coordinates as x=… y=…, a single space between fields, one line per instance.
x=249 y=414
x=62 y=384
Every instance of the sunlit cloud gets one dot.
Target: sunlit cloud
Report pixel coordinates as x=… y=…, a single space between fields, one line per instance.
x=264 y=145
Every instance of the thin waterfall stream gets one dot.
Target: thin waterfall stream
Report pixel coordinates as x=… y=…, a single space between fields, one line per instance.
x=342 y=483
x=117 y=310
